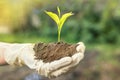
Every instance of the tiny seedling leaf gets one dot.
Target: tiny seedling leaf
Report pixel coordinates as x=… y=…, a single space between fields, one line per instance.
x=53 y=16
x=58 y=9
x=64 y=18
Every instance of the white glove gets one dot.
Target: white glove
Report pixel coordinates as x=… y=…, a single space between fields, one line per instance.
x=23 y=54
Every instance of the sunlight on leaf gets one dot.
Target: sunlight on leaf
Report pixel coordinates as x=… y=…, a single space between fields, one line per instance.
x=64 y=18
x=53 y=16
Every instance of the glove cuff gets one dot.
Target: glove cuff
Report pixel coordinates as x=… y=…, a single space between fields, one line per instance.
x=16 y=53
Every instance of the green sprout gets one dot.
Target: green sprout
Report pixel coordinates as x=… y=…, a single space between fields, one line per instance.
x=59 y=20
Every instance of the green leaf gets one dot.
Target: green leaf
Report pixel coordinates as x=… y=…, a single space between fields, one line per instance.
x=53 y=16
x=64 y=18
x=58 y=9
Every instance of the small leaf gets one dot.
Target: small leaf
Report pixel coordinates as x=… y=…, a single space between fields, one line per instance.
x=53 y=16
x=58 y=9
x=63 y=18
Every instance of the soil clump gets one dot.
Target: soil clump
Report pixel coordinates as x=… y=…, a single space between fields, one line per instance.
x=53 y=51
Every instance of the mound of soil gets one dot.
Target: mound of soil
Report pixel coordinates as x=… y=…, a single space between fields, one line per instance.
x=53 y=51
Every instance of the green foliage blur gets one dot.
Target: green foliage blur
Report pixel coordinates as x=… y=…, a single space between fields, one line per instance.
x=94 y=21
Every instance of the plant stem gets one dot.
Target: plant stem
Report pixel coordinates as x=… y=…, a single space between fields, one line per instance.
x=59 y=35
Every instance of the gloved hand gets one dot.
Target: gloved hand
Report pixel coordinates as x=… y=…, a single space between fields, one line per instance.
x=23 y=54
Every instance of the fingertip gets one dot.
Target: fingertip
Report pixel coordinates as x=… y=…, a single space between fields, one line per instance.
x=77 y=58
x=80 y=47
x=80 y=43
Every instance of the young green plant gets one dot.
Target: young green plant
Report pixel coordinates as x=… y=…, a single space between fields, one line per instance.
x=59 y=20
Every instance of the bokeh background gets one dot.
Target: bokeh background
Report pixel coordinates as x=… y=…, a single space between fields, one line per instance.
x=95 y=22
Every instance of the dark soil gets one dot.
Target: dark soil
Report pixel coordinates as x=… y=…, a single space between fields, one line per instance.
x=53 y=51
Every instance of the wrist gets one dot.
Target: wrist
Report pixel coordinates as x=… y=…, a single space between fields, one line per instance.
x=2 y=59
x=17 y=54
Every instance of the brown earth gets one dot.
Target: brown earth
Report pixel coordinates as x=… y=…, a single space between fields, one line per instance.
x=54 y=51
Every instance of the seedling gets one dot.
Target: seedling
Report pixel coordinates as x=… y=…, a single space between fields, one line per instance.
x=59 y=20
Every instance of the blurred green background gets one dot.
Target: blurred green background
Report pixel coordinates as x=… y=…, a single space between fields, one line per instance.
x=95 y=22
